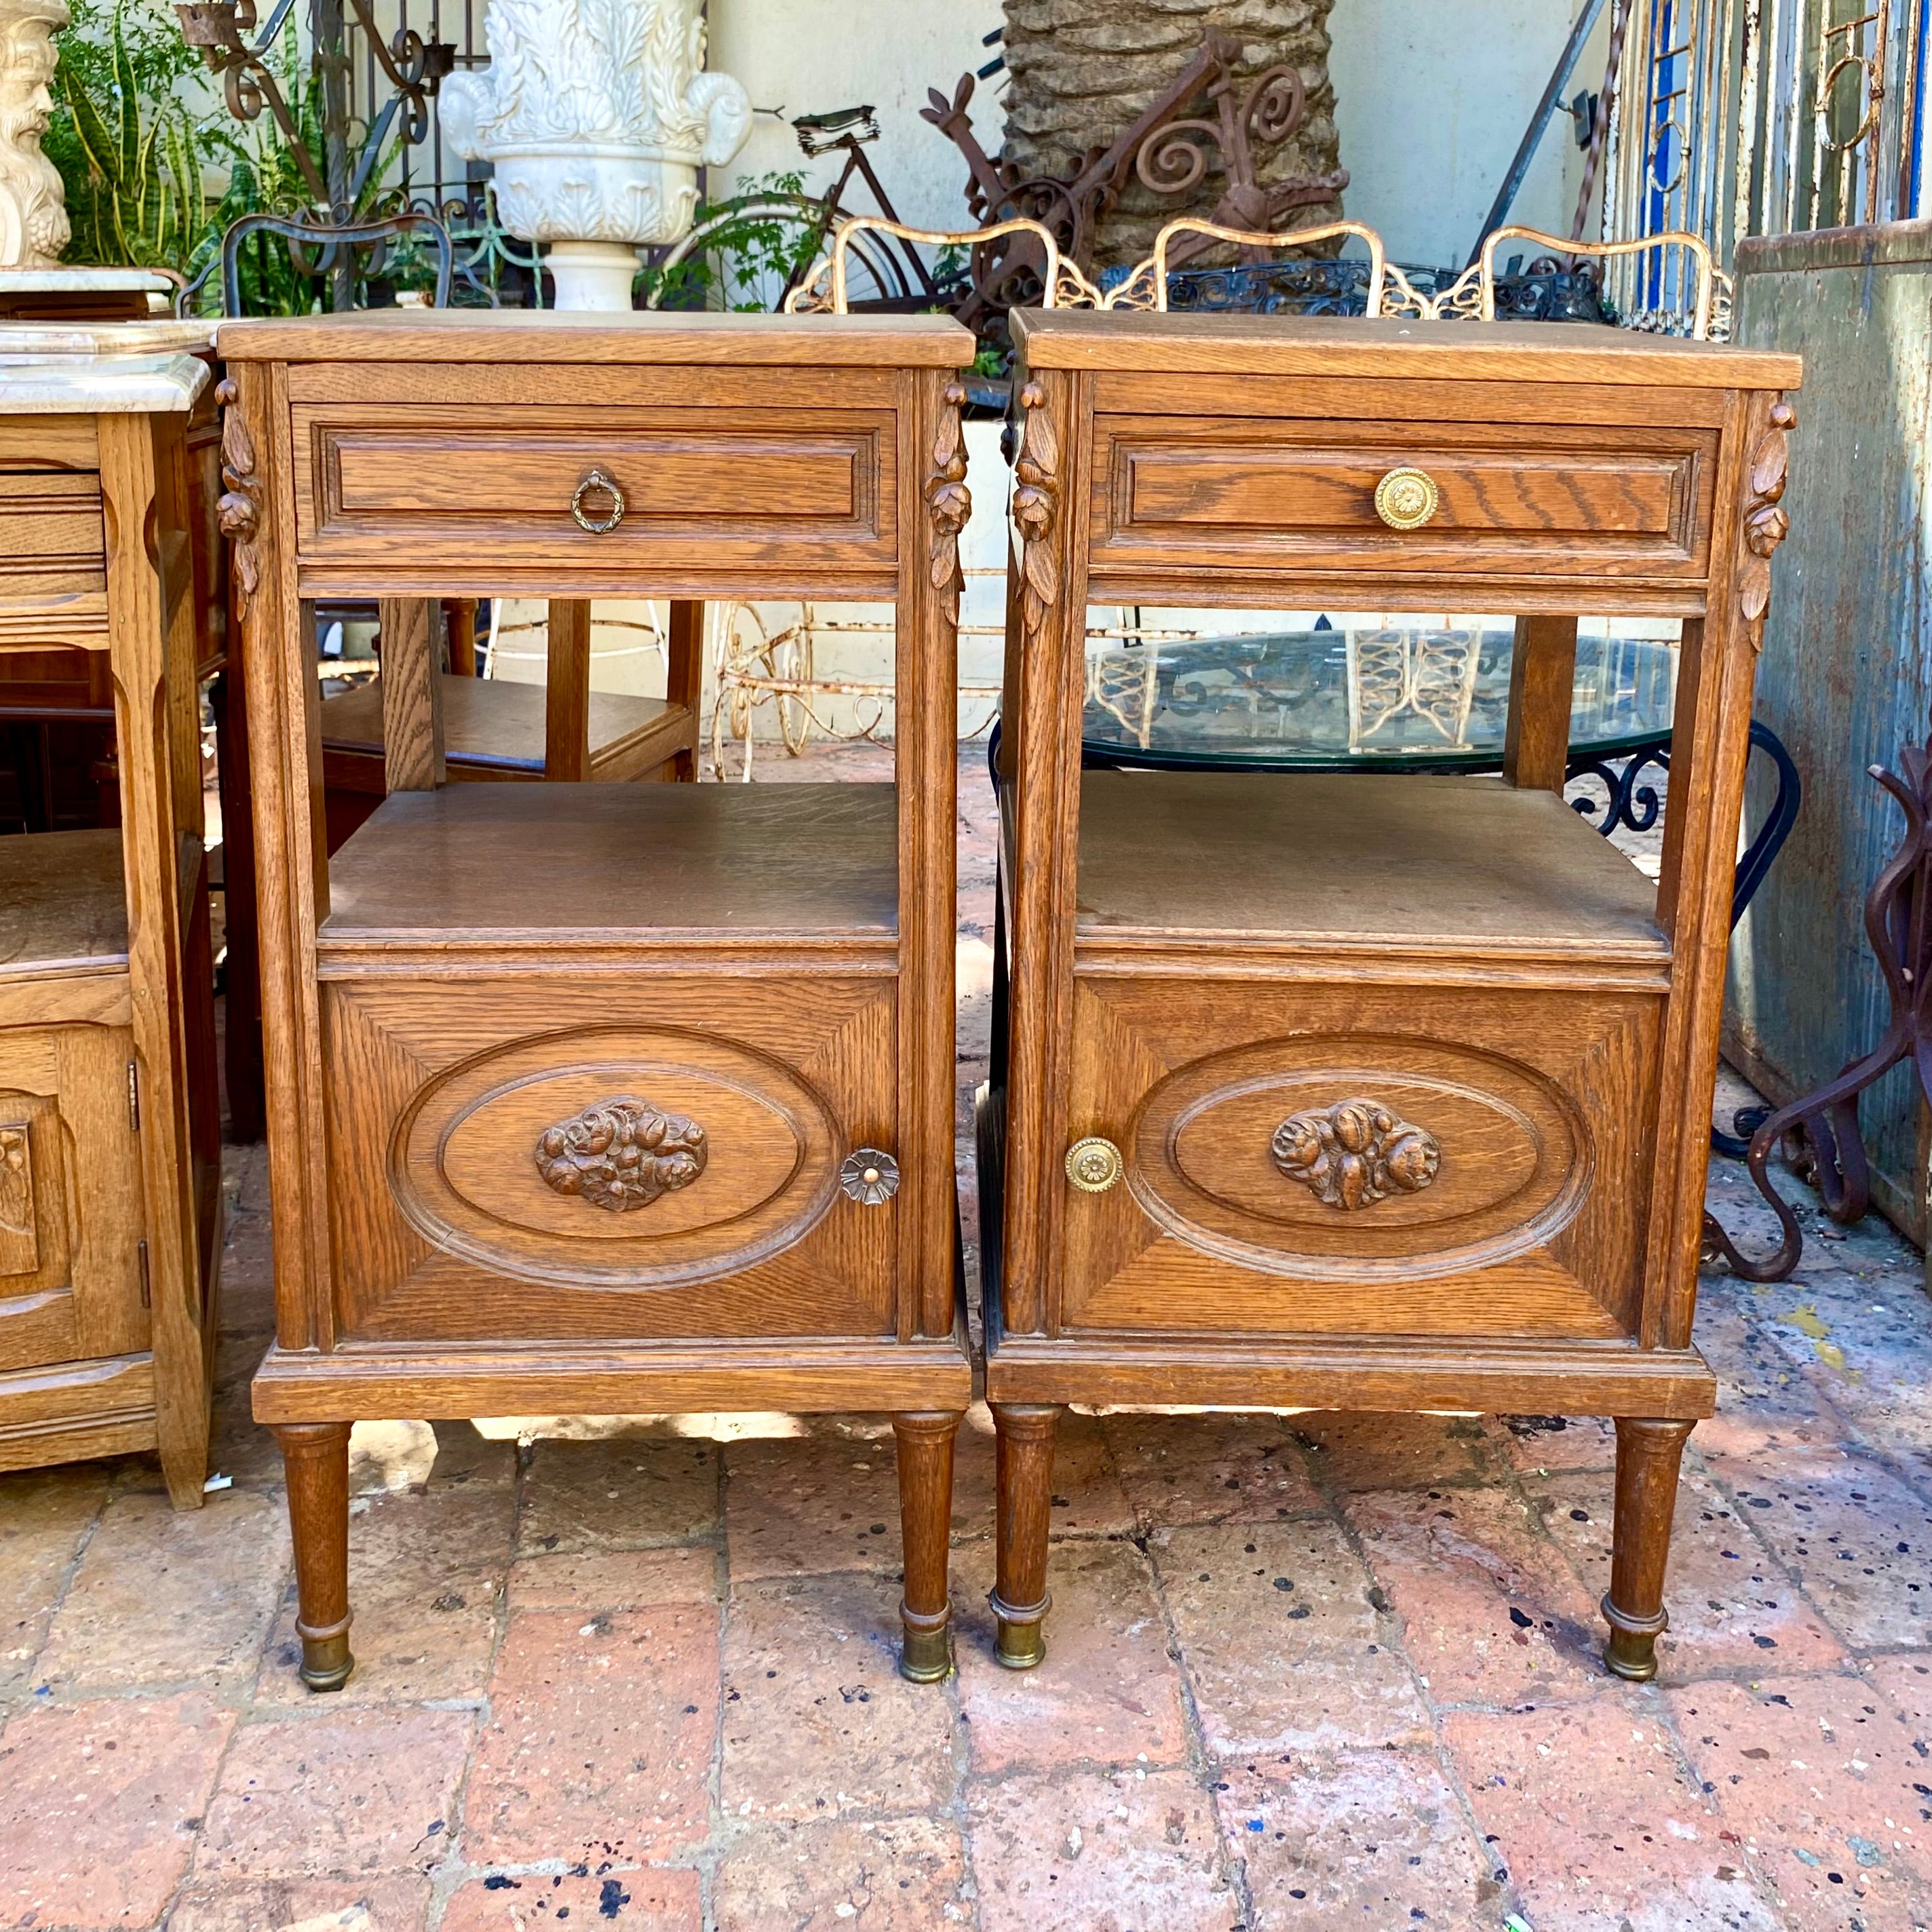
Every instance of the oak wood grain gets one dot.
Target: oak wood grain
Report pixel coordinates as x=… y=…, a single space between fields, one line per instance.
x=1431 y=860
x=78 y=1409
x=410 y=690
x=1650 y=1450
x=558 y=860
x=1607 y=1378
x=1468 y=351
x=66 y=900
x=291 y=874
x=567 y=691
x=465 y=490
x=1199 y=494
x=143 y=489
x=494 y=730
x=429 y=386
x=1506 y=1039
x=1542 y=676
x=684 y=681
x=803 y=1375
x=1395 y=399
x=539 y=336
x=480 y=975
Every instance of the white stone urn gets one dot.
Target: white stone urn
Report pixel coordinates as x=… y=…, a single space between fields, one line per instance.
x=596 y=115
x=33 y=209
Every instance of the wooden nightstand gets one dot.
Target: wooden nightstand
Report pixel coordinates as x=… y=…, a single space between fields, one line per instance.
x=608 y=1097
x=110 y=1129
x=1368 y=1091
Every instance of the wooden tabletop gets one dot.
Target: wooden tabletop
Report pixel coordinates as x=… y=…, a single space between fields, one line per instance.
x=1305 y=345
x=642 y=337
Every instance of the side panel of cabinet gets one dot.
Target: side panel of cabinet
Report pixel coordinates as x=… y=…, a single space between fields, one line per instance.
x=70 y=1198
x=1368 y=1160
x=633 y=1158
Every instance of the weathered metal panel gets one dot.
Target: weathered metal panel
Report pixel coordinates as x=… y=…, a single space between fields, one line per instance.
x=1846 y=678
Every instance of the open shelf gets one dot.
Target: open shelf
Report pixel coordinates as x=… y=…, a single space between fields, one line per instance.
x=1352 y=855
x=495 y=729
x=65 y=901
x=488 y=863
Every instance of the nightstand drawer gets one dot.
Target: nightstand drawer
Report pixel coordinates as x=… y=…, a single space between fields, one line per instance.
x=1312 y=1157
x=53 y=565
x=650 y=1156
x=1431 y=499
x=583 y=498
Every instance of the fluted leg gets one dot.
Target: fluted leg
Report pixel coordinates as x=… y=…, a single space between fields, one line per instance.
x=1648 y=1453
x=315 y=1456
x=1020 y=1601
x=925 y=1525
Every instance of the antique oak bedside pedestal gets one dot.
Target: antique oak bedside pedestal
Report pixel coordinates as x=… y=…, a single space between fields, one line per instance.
x=110 y=1129
x=1368 y=1092
x=621 y=1098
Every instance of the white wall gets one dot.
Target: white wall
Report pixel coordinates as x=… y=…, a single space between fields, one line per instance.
x=1432 y=97
x=811 y=56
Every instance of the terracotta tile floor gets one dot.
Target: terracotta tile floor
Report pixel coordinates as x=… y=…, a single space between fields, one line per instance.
x=1305 y=1672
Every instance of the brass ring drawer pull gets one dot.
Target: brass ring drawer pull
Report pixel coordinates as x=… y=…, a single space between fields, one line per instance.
x=1093 y=1165
x=1406 y=499
x=595 y=482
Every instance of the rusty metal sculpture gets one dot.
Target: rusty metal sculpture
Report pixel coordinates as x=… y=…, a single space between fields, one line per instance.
x=1167 y=149
x=1820 y=1130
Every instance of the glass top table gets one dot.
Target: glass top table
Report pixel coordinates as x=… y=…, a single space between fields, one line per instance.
x=1411 y=699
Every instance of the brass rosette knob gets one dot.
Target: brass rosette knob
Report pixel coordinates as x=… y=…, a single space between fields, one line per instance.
x=1407 y=498
x=1093 y=1165
x=597 y=485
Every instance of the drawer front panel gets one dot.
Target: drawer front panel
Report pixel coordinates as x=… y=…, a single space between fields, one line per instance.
x=1270 y=495
x=711 y=489
x=53 y=557
x=552 y=1167
x=1380 y=1162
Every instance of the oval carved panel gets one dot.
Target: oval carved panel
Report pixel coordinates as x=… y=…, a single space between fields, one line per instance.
x=469 y=1170
x=1492 y=1157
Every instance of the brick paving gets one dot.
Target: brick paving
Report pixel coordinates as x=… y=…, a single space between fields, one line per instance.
x=1305 y=1671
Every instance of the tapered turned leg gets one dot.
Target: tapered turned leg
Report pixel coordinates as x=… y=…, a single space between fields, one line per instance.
x=926 y=1525
x=315 y=1456
x=1648 y=1452
x=1020 y=1601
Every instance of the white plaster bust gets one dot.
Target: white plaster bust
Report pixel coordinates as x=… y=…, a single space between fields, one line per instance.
x=33 y=211
x=597 y=115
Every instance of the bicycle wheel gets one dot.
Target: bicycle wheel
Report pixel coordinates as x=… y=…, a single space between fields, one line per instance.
x=772 y=233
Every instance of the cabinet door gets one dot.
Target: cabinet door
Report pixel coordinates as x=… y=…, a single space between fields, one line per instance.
x=71 y=1221
x=657 y=1156
x=1462 y=1160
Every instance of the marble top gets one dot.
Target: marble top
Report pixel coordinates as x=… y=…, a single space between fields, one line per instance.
x=92 y=368
x=83 y=281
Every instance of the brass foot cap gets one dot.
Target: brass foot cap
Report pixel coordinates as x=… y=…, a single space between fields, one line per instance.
x=326 y=1663
x=1633 y=1658
x=327 y=1676
x=1020 y=1647
x=1631 y=1652
x=927 y=1656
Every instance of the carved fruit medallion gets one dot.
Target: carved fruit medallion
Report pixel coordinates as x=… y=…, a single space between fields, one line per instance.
x=621 y=1154
x=1355 y=1154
